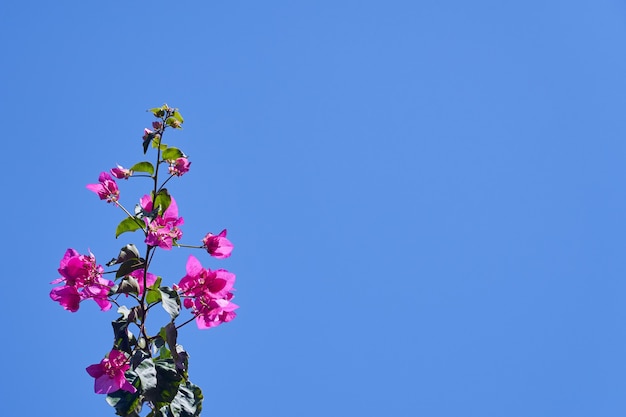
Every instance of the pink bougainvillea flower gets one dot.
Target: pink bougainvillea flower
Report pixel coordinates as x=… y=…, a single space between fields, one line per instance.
x=199 y=280
x=162 y=230
x=83 y=280
x=157 y=125
x=106 y=188
x=67 y=296
x=179 y=166
x=138 y=275
x=109 y=374
x=217 y=245
x=208 y=294
x=211 y=312
x=121 y=173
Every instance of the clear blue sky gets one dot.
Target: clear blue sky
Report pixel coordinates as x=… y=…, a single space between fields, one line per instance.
x=427 y=199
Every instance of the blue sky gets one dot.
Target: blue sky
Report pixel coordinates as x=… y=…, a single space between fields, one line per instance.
x=426 y=199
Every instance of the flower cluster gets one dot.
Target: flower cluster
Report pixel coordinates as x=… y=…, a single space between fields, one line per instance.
x=109 y=374
x=208 y=294
x=83 y=280
x=179 y=166
x=163 y=229
x=106 y=188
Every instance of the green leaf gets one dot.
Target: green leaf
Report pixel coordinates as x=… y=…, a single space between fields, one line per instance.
x=129 y=266
x=122 y=338
x=147 y=374
x=129 y=224
x=162 y=201
x=171 y=336
x=127 y=252
x=128 y=285
x=172 y=153
x=168 y=382
x=154 y=295
x=173 y=122
x=170 y=301
x=176 y=115
x=181 y=361
x=159 y=111
x=125 y=403
x=156 y=143
x=144 y=166
x=188 y=401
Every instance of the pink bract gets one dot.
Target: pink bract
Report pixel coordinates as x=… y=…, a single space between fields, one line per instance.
x=217 y=245
x=162 y=230
x=83 y=280
x=179 y=167
x=121 y=172
x=208 y=294
x=109 y=374
x=138 y=275
x=106 y=188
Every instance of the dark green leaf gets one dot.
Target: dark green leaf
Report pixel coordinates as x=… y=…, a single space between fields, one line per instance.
x=143 y=167
x=129 y=266
x=127 y=252
x=182 y=360
x=123 y=339
x=188 y=401
x=147 y=374
x=138 y=357
x=172 y=153
x=125 y=403
x=171 y=335
x=168 y=381
x=170 y=301
x=128 y=285
x=129 y=224
x=150 y=138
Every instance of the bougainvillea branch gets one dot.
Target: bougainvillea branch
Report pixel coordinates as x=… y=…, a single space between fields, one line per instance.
x=142 y=369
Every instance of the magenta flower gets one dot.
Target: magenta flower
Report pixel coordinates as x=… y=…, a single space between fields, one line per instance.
x=179 y=166
x=121 y=173
x=109 y=374
x=217 y=245
x=106 y=189
x=208 y=294
x=162 y=230
x=211 y=312
x=83 y=280
x=157 y=125
x=68 y=296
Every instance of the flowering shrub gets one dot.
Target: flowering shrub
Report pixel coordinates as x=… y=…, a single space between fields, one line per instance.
x=143 y=369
